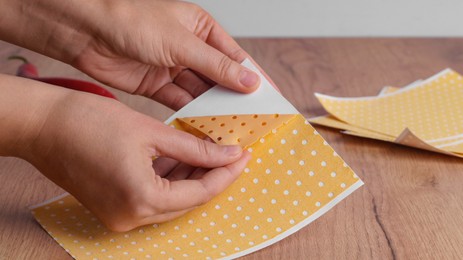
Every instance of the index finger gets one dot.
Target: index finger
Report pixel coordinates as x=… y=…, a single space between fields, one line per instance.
x=184 y=194
x=222 y=41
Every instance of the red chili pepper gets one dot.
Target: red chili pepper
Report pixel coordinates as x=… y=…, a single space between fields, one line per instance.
x=28 y=70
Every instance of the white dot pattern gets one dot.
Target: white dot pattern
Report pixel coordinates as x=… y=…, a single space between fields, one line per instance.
x=432 y=110
x=262 y=204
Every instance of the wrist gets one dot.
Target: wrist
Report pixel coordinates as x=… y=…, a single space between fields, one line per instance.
x=25 y=106
x=55 y=28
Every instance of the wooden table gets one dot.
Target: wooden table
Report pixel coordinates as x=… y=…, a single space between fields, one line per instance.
x=411 y=206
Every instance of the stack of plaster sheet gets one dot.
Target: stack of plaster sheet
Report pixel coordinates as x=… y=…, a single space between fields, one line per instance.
x=427 y=114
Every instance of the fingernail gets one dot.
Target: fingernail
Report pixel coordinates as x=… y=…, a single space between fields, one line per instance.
x=233 y=150
x=248 y=78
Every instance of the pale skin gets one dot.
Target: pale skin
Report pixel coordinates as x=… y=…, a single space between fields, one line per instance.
x=95 y=147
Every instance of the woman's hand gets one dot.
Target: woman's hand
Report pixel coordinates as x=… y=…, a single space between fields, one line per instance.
x=170 y=51
x=101 y=152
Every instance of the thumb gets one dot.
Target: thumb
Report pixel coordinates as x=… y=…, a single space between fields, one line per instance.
x=205 y=59
x=189 y=149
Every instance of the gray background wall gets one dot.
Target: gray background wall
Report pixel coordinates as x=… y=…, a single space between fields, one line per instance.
x=278 y=18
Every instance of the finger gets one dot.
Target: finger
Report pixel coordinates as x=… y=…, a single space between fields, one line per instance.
x=198 y=174
x=185 y=171
x=190 y=82
x=222 y=41
x=172 y=96
x=190 y=193
x=207 y=60
x=164 y=217
x=163 y=166
x=181 y=172
x=208 y=81
x=189 y=149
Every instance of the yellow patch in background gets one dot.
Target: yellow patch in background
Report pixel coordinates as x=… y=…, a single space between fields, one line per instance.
x=429 y=111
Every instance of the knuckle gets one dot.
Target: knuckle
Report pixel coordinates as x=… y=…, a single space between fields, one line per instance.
x=136 y=206
x=198 y=89
x=168 y=54
x=224 y=66
x=119 y=226
x=139 y=210
x=179 y=100
x=208 y=195
x=195 y=8
x=203 y=148
x=204 y=19
x=238 y=54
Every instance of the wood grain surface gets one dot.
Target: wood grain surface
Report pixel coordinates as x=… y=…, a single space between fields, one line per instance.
x=411 y=206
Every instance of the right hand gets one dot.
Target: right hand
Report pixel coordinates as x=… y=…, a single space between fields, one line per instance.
x=169 y=51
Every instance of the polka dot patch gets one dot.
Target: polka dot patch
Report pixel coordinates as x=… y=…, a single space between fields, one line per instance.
x=234 y=129
x=274 y=197
x=431 y=110
x=331 y=121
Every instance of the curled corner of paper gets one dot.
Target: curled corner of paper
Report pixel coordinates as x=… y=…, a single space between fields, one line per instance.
x=408 y=138
x=241 y=130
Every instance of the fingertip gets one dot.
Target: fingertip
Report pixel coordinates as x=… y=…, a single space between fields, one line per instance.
x=246 y=156
x=238 y=166
x=233 y=151
x=249 y=80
